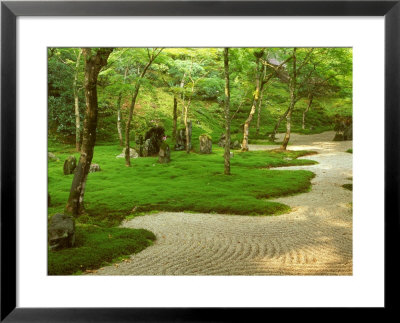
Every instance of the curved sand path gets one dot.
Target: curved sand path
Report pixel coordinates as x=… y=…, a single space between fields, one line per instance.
x=314 y=239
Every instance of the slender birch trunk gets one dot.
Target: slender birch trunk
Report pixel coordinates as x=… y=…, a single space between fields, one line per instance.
x=227 y=153
x=119 y=117
x=119 y=114
x=292 y=90
x=246 y=126
x=183 y=94
x=185 y=121
x=76 y=102
x=174 y=122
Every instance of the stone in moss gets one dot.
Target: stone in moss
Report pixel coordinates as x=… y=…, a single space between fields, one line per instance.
x=61 y=231
x=180 y=143
x=164 y=155
x=94 y=168
x=205 y=144
x=69 y=165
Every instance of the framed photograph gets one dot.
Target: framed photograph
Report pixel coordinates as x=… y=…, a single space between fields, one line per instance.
x=196 y=65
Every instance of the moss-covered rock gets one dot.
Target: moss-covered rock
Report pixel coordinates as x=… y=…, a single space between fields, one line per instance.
x=164 y=155
x=205 y=144
x=69 y=165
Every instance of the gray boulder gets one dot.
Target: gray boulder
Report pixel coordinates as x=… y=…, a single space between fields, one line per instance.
x=205 y=144
x=69 y=165
x=164 y=155
x=52 y=157
x=61 y=231
x=132 y=153
x=94 y=168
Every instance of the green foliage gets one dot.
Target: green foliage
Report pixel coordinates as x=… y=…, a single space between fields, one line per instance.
x=331 y=67
x=61 y=70
x=211 y=89
x=96 y=247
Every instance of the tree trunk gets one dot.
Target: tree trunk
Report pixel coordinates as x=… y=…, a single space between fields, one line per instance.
x=93 y=65
x=119 y=117
x=183 y=94
x=259 y=113
x=292 y=91
x=287 y=135
x=76 y=101
x=185 y=120
x=119 y=114
x=260 y=103
x=227 y=153
x=277 y=125
x=175 y=118
x=131 y=108
x=128 y=124
x=303 y=125
x=245 y=142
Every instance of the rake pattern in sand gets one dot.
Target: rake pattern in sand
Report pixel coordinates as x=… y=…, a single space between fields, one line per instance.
x=314 y=239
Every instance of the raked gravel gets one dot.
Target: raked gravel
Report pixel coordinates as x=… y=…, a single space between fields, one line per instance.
x=315 y=238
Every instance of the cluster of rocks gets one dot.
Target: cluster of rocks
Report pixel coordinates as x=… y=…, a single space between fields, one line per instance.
x=233 y=145
x=151 y=143
x=70 y=166
x=180 y=142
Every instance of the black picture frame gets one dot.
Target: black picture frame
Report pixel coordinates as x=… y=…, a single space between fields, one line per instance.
x=11 y=10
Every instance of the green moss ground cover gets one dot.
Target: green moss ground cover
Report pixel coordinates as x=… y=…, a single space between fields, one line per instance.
x=95 y=247
x=191 y=182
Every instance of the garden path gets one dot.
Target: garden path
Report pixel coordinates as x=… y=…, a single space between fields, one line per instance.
x=315 y=238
